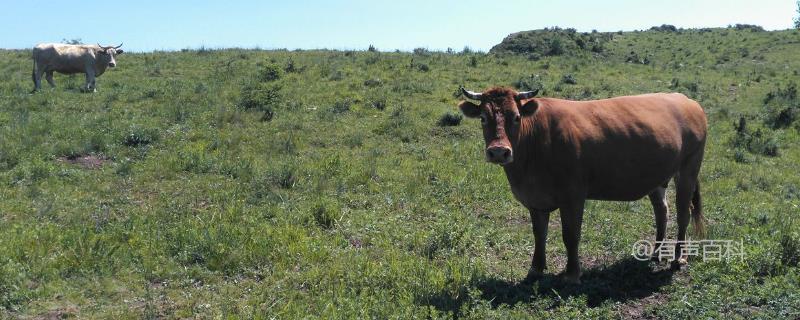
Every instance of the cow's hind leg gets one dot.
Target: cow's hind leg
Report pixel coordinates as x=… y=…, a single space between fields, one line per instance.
x=658 y=198
x=686 y=184
x=540 y=221
x=571 y=221
x=49 y=78
x=37 y=73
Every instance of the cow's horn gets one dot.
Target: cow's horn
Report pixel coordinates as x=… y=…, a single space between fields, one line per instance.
x=119 y=46
x=527 y=94
x=470 y=94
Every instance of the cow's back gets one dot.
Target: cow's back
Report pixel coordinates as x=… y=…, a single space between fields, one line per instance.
x=62 y=58
x=622 y=148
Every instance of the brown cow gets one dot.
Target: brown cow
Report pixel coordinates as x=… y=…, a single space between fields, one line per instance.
x=558 y=153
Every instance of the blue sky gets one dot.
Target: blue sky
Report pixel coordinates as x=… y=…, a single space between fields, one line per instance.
x=171 y=25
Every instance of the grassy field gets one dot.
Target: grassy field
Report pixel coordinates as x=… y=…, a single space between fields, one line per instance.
x=344 y=184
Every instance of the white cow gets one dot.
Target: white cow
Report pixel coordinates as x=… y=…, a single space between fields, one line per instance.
x=69 y=59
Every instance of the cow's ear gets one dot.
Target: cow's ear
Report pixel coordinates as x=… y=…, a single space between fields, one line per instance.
x=529 y=108
x=469 y=109
x=120 y=51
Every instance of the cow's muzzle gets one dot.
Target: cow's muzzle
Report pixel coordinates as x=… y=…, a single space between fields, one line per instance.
x=499 y=154
x=111 y=64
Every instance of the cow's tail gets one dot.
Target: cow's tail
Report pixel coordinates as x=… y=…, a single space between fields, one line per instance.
x=698 y=221
x=33 y=70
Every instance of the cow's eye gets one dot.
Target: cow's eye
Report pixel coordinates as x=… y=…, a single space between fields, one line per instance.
x=516 y=119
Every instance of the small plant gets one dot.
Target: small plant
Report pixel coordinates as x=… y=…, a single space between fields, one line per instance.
x=379 y=104
x=569 y=79
x=373 y=83
x=291 y=67
x=341 y=106
x=138 y=136
x=790 y=250
x=450 y=119
x=326 y=213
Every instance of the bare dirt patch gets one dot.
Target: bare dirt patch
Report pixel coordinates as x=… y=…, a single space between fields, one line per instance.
x=86 y=161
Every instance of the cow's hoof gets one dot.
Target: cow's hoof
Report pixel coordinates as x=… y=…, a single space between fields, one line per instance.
x=677 y=264
x=571 y=278
x=532 y=276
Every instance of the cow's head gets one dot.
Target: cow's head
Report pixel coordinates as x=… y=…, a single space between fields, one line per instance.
x=501 y=111
x=105 y=55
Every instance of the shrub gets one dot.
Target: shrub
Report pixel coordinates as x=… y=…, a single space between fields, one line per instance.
x=341 y=106
x=260 y=96
x=290 y=67
x=379 y=104
x=750 y=27
x=269 y=72
x=450 y=119
x=372 y=48
x=421 y=51
x=529 y=83
x=782 y=107
x=665 y=28
x=568 y=79
x=756 y=141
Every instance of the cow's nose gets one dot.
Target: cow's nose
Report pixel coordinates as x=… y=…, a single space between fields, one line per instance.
x=111 y=64
x=501 y=155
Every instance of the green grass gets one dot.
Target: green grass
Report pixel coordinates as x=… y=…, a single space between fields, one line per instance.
x=289 y=184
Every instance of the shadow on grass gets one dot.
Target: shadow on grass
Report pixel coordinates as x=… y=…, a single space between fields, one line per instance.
x=626 y=279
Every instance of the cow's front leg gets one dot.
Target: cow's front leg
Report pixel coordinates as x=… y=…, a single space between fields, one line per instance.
x=571 y=220
x=90 y=81
x=540 y=221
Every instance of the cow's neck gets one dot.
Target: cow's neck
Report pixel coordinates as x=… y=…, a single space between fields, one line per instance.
x=529 y=148
x=99 y=68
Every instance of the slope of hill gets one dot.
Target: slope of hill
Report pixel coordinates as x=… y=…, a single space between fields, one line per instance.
x=291 y=184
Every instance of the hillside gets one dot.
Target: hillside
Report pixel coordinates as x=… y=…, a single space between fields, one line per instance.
x=343 y=184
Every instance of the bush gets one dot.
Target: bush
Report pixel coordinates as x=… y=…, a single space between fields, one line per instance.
x=568 y=79
x=750 y=27
x=450 y=119
x=756 y=141
x=782 y=107
x=341 y=106
x=260 y=96
x=529 y=83
x=290 y=67
x=665 y=28
x=269 y=72
x=379 y=104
